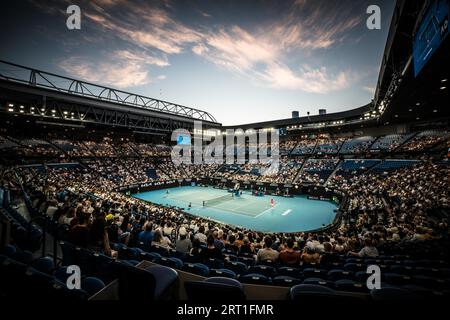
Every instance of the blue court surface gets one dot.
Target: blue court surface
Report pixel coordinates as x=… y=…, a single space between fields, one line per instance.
x=248 y=211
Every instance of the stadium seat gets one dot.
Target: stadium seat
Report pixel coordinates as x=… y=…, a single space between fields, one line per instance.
x=290 y=272
x=350 y=285
x=196 y=268
x=314 y=273
x=151 y=256
x=171 y=262
x=338 y=274
x=8 y=250
x=393 y=294
x=285 y=281
x=255 y=278
x=44 y=264
x=210 y=289
x=318 y=281
x=222 y=273
x=265 y=270
x=305 y=293
x=165 y=279
x=214 y=263
x=236 y=266
x=92 y=285
x=24 y=256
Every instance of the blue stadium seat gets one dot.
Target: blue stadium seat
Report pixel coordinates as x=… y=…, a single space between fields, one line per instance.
x=214 y=263
x=338 y=274
x=312 y=293
x=318 y=281
x=314 y=273
x=171 y=262
x=92 y=285
x=290 y=272
x=255 y=278
x=24 y=256
x=196 y=268
x=267 y=271
x=222 y=273
x=212 y=288
x=285 y=281
x=350 y=285
x=393 y=294
x=236 y=266
x=8 y=250
x=44 y=264
x=165 y=280
x=151 y=256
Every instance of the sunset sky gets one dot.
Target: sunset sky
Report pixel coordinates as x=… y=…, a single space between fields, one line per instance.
x=242 y=61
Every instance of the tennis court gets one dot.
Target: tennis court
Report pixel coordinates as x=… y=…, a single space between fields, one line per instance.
x=256 y=213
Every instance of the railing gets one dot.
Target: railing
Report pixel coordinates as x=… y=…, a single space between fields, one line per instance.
x=42 y=79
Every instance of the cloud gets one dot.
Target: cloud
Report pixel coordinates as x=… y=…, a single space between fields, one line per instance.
x=121 y=68
x=264 y=52
x=369 y=89
x=161 y=77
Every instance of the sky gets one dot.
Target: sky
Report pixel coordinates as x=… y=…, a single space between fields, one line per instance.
x=243 y=61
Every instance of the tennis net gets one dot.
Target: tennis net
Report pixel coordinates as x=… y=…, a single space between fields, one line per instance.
x=218 y=200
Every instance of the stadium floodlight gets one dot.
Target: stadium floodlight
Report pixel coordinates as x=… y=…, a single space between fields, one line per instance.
x=21 y=107
x=444 y=80
x=53 y=111
x=10 y=109
x=10 y=105
x=443 y=88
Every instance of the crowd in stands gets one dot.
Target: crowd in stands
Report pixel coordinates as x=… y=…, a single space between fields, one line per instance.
x=425 y=140
x=381 y=209
x=383 y=212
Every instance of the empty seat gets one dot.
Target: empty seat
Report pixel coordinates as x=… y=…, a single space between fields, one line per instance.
x=236 y=266
x=314 y=273
x=165 y=279
x=312 y=293
x=222 y=273
x=290 y=272
x=44 y=264
x=318 y=281
x=285 y=281
x=255 y=278
x=355 y=267
x=92 y=285
x=214 y=263
x=267 y=271
x=393 y=294
x=216 y=287
x=151 y=256
x=350 y=285
x=196 y=268
x=338 y=274
x=171 y=262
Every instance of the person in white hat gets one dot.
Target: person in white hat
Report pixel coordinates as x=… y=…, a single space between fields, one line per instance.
x=183 y=243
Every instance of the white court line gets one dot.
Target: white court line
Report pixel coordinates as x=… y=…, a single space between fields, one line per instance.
x=286 y=212
x=265 y=211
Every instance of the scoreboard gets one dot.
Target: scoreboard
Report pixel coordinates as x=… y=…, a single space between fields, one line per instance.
x=431 y=33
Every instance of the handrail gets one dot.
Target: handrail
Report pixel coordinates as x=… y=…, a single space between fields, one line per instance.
x=46 y=80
